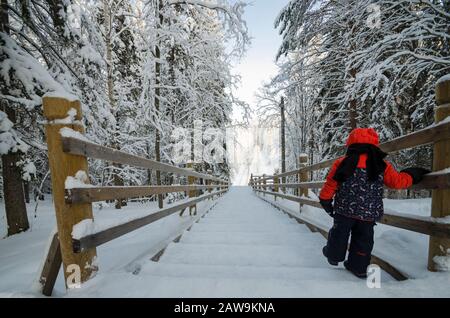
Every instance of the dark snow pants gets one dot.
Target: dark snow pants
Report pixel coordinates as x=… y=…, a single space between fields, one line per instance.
x=361 y=243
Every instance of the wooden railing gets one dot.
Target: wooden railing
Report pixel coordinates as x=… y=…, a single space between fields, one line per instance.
x=68 y=151
x=438 y=181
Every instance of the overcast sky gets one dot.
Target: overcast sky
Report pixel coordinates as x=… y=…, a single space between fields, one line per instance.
x=259 y=63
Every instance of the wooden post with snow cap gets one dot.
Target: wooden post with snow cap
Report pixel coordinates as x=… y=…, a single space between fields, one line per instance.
x=439 y=248
x=62 y=113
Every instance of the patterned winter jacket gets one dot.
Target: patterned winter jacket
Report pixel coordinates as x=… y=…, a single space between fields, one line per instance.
x=358 y=197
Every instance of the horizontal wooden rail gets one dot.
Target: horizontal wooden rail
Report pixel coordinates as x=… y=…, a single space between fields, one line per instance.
x=262 y=178
x=84 y=148
x=304 y=185
x=96 y=194
x=424 y=225
x=430 y=181
x=418 y=138
x=386 y=266
x=294 y=198
x=434 y=181
x=99 y=238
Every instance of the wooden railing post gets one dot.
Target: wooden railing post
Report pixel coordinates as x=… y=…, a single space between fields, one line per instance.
x=264 y=183
x=209 y=182
x=63 y=165
x=192 y=193
x=440 y=204
x=275 y=185
x=303 y=176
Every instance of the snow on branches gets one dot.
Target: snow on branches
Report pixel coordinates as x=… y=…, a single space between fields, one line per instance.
x=345 y=70
x=23 y=78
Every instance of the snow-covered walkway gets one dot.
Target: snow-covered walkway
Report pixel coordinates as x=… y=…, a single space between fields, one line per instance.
x=241 y=248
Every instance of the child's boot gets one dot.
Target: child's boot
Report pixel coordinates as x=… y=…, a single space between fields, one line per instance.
x=325 y=253
x=354 y=272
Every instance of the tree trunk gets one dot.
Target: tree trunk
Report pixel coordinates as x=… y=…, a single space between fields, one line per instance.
x=149 y=171
x=110 y=86
x=57 y=10
x=353 y=108
x=283 y=142
x=157 y=101
x=16 y=210
x=26 y=189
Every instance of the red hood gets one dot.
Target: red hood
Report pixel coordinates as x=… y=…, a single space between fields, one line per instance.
x=363 y=136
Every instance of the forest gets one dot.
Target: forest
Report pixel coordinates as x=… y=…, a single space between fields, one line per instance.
x=140 y=158
x=143 y=68
x=139 y=68
x=364 y=63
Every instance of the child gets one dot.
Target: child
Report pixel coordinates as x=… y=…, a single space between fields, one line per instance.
x=356 y=183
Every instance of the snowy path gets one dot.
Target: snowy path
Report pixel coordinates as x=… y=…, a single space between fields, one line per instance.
x=241 y=248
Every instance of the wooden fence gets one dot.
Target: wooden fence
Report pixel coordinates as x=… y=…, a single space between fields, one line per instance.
x=439 y=182
x=68 y=151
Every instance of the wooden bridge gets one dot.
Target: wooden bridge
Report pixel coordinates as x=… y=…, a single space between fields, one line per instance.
x=239 y=245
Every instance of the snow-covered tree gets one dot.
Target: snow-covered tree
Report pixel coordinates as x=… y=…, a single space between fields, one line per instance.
x=354 y=63
x=105 y=53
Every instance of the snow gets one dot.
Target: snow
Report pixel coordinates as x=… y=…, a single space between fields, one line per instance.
x=444 y=78
x=22 y=255
x=36 y=284
x=5 y=123
x=407 y=250
x=88 y=226
x=242 y=248
x=84 y=228
x=9 y=141
x=61 y=93
x=70 y=119
x=439 y=172
x=31 y=74
x=80 y=180
x=252 y=150
x=70 y=133
x=28 y=170
x=443 y=262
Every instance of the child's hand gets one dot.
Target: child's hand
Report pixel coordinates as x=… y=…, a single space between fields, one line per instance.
x=328 y=206
x=416 y=173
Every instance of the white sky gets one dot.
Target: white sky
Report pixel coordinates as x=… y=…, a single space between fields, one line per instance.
x=259 y=64
x=256 y=150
